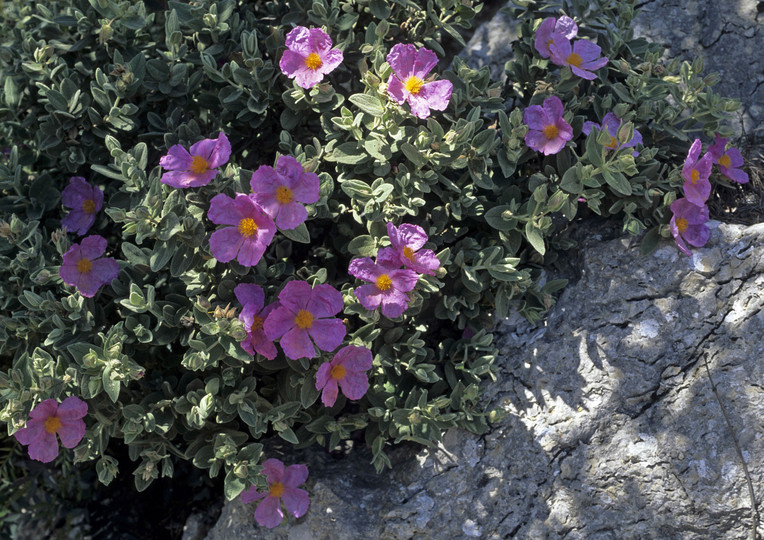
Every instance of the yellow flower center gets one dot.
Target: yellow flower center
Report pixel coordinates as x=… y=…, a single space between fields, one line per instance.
x=284 y=195
x=84 y=266
x=725 y=161
x=408 y=253
x=257 y=323
x=247 y=227
x=550 y=131
x=694 y=176
x=199 y=165
x=313 y=61
x=52 y=424
x=304 y=319
x=681 y=224
x=339 y=372
x=612 y=144
x=384 y=283
x=276 y=489
x=88 y=206
x=413 y=85
x=574 y=60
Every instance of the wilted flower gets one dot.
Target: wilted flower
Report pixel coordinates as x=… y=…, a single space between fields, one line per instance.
x=252 y=299
x=689 y=223
x=309 y=56
x=729 y=161
x=695 y=172
x=281 y=190
x=282 y=486
x=407 y=241
x=306 y=313
x=552 y=30
x=613 y=124
x=250 y=235
x=582 y=56
x=198 y=165
x=548 y=130
x=389 y=283
x=82 y=268
x=84 y=200
x=49 y=418
x=407 y=83
x=348 y=369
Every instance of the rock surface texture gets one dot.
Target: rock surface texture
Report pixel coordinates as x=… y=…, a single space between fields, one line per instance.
x=612 y=429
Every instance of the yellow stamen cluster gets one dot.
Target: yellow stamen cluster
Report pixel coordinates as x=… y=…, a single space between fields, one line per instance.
x=247 y=227
x=284 y=195
x=550 y=131
x=84 y=266
x=384 y=283
x=304 y=319
x=681 y=224
x=338 y=372
x=313 y=61
x=199 y=165
x=694 y=176
x=88 y=206
x=575 y=60
x=52 y=424
x=413 y=85
x=276 y=489
x=725 y=161
x=257 y=323
x=408 y=253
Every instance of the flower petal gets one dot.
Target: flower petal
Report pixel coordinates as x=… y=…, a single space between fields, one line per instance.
x=225 y=244
x=424 y=61
x=363 y=268
x=325 y=301
x=278 y=322
x=295 y=295
x=249 y=294
x=252 y=495
x=92 y=246
x=396 y=90
x=328 y=333
x=268 y=512
x=176 y=159
x=296 y=501
x=290 y=216
x=71 y=432
x=369 y=296
x=355 y=358
x=295 y=475
x=297 y=344
x=401 y=58
x=354 y=384
x=44 y=449
x=329 y=393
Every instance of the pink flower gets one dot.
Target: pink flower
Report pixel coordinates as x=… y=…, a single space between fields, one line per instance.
x=548 y=131
x=389 y=283
x=281 y=190
x=348 y=369
x=552 y=29
x=252 y=299
x=729 y=161
x=689 y=223
x=406 y=242
x=695 y=172
x=613 y=124
x=48 y=419
x=82 y=268
x=407 y=83
x=309 y=56
x=84 y=200
x=250 y=235
x=282 y=486
x=583 y=57
x=306 y=313
x=197 y=167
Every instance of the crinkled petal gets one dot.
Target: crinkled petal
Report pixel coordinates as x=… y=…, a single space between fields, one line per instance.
x=289 y=169
x=187 y=179
x=251 y=250
x=566 y=27
x=736 y=159
x=401 y=58
x=394 y=303
x=44 y=449
x=291 y=63
x=588 y=126
x=44 y=410
x=223 y=211
x=290 y=215
x=420 y=106
x=354 y=384
x=71 y=432
x=560 y=50
x=588 y=75
x=553 y=107
x=437 y=94
x=325 y=301
x=93 y=246
x=412 y=236
x=543 y=36
x=363 y=268
x=76 y=192
x=295 y=295
x=424 y=61
x=273 y=469
x=404 y=280
x=355 y=358
x=35 y=430
x=612 y=123
x=328 y=333
x=105 y=270
x=297 y=344
x=717 y=148
x=692 y=157
x=678 y=237
x=308 y=78
x=78 y=222
x=396 y=89
x=331 y=60
x=306 y=190
x=263 y=345
x=278 y=322
x=252 y=495
x=319 y=41
x=737 y=175
x=698 y=192
x=268 y=513
x=586 y=49
x=535 y=117
x=249 y=294
x=369 y=296
x=323 y=375
x=425 y=262
x=295 y=475
x=298 y=40
x=72 y=408
x=225 y=244
x=220 y=152
x=697 y=235
x=329 y=393
x=176 y=159
x=536 y=140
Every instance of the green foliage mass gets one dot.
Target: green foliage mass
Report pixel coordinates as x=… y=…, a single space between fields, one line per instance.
x=102 y=88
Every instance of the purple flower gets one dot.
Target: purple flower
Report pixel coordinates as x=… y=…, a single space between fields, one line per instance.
x=695 y=172
x=306 y=313
x=548 y=131
x=406 y=242
x=689 y=223
x=309 y=56
x=281 y=190
x=348 y=369
x=583 y=57
x=84 y=200
x=198 y=166
x=389 y=283
x=613 y=124
x=552 y=30
x=48 y=419
x=729 y=161
x=282 y=486
x=252 y=298
x=253 y=229
x=407 y=83
x=82 y=268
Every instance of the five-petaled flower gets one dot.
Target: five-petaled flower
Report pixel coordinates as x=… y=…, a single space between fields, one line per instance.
x=548 y=130
x=306 y=313
x=389 y=283
x=407 y=82
x=613 y=125
x=280 y=191
x=282 y=486
x=49 y=418
x=309 y=56
x=689 y=223
x=252 y=299
x=407 y=241
x=84 y=200
x=729 y=160
x=582 y=56
x=348 y=370
x=82 y=268
x=552 y=30
x=250 y=235
x=198 y=165
x=695 y=172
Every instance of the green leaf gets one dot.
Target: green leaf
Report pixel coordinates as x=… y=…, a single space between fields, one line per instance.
x=571 y=182
x=495 y=218
x=594 y=150
x=414 y=155
x=368 y=104
x=618 y=182
x=535 y=238
x=363 y=246
x=299 y=234
x=233 y=486
x=650 y=241
x=347 y=153
x=308 y=392
x=107 y=469
x=111 y=386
